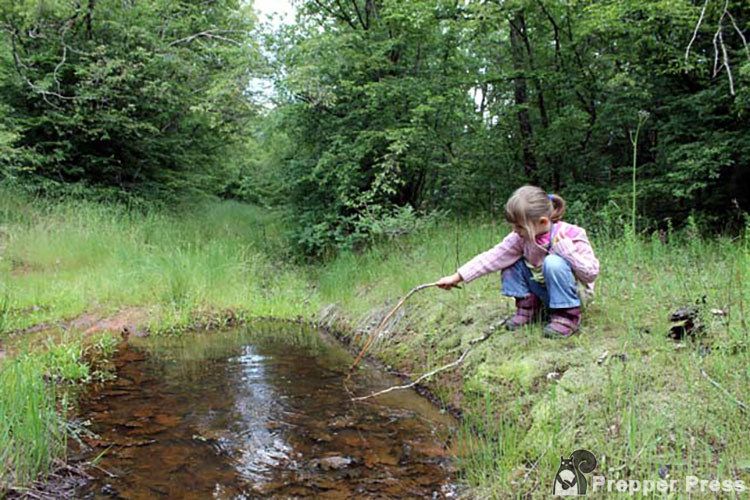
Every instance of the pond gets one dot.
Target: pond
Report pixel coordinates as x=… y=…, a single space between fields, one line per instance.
x=260 y=411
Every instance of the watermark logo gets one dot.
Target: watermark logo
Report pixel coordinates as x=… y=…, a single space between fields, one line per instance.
x=570 y=479
x=690 y=486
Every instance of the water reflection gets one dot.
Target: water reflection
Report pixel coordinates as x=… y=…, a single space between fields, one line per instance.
x=260 y=414
x=257 y=448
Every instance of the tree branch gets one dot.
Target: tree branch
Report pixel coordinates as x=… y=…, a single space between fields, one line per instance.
x=453 y=364
x=725 y=57
x=556 y=28
x=739 y=32
x=208 y=34
x=695 y=31
x=359 y=14
x=343 y=16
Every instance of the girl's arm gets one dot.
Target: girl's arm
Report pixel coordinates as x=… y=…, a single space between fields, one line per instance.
x=573 y=245
x=503 y=255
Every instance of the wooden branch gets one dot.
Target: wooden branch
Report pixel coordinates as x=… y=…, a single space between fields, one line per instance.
x=344 y=16
x=18 y=64
x=716 y=53
x=695 y=31
x=739 y=32
x=736 y=401
x=716 y=39
x=453 y=364
x=359 y=14
x=89 y=13
x=59 y=65
x=371 y=7
x=208 y=34
x=725 y=58
x=385 y=320
x=556 y=28
x=341 y=17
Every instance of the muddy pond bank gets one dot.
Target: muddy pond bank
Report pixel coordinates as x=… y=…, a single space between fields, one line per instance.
x=260 y=411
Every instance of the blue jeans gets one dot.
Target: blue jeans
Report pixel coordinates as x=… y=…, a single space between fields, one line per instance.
x=559 y=290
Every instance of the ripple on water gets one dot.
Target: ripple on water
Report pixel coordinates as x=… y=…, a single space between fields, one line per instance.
x=260 y=413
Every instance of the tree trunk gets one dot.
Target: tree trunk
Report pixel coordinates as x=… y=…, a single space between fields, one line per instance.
x=519 y=92
x=89 y=13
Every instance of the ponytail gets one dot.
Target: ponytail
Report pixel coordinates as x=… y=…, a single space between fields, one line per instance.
x=558 y=207
x=529 y=203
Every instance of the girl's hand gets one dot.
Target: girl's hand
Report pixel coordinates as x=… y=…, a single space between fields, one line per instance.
x=448 y=282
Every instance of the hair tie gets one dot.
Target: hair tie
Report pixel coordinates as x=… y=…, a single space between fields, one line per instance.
x=551 y=197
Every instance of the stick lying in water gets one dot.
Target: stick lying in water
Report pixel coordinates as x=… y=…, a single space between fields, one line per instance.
x=382 y=324
x=472 y=343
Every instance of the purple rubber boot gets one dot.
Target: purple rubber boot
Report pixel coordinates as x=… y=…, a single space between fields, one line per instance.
x=527 y=309
x=563 y=323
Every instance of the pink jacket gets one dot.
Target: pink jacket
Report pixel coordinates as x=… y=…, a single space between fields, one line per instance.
x=574 y=248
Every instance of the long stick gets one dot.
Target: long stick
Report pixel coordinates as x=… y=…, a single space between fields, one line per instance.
x=452 y=364
x=382 y=324
x=736 y=401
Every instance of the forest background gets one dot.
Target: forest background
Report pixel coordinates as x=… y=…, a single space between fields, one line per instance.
x=382 y=112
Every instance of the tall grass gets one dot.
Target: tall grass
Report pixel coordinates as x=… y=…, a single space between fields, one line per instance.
x=32 y=432
x=66 y=258
x=61 y=259
x=528 y=399
x=642 y=117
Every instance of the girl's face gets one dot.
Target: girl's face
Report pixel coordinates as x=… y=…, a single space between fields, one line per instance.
x=540 y=226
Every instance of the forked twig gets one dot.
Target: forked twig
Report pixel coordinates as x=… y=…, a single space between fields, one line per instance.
x=721 y=54
x=739 y=32
x=472 y=343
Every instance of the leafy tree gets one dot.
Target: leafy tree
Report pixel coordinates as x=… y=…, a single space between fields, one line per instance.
x=453 y=104
x=141 y=96
x=375 y=108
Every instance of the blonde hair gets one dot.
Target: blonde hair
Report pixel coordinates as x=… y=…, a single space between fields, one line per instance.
x=529 y=203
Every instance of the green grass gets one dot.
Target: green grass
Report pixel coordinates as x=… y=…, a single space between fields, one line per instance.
x=31 y=432
x=34 y=402
x=62 y=259
x=653 y=410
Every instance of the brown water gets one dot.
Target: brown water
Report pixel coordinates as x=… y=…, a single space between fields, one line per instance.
x=260 y=412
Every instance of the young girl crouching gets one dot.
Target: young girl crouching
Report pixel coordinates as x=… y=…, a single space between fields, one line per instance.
x=542 y=261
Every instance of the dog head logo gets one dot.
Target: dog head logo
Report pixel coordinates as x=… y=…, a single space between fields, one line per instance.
x=570 y=479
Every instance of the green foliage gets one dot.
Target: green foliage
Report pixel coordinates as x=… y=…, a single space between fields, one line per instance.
x=371 y=128
x=138 y=96
x=68 y=257
x=381 y=106
x=525 y=398
x=390 y=104
x=212 y=256
x=63 y=361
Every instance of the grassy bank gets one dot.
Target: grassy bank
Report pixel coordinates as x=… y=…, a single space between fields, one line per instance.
x=648 y=407
x=528 y=400
x=61 y=259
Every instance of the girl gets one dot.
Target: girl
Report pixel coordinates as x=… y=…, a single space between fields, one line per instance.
x=541 y=260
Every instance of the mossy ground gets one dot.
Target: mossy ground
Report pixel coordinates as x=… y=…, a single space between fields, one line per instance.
x=528 y=400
